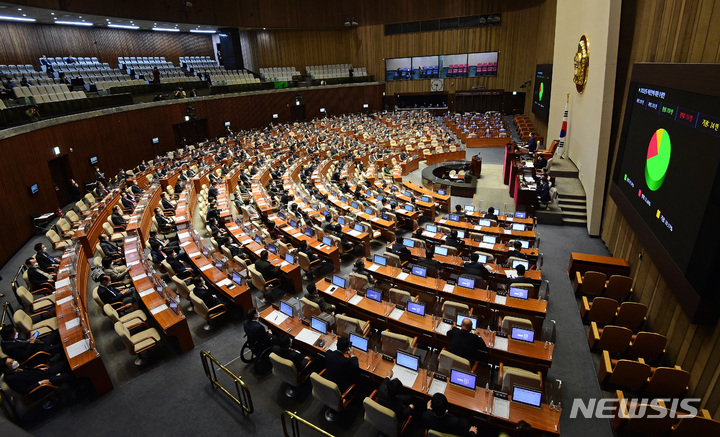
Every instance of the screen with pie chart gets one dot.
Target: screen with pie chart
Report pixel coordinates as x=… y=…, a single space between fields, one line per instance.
x=667 y=173
x=541 y=91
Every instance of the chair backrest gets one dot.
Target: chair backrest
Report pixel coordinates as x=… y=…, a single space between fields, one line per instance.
x=668 y=382
x=90 y=198
x=696 y=426
x=284 y=369
x=648 y=346
x=124 y=333
x=347 y=325
x=508 y=322
x=593 y=283
x=391 y=342
x=64 y=225
x=80 y=205
x=393 y=260
x=450 y=309
x=399 y=297
x=72 y=216
x=619 y=287
x=96 y=297
x=631 y=315
x=381 y=418
x=309 y=308
x=516 y=376
x=182 y=288
x=168 y=267
x=107 y=228
x=23 y=321
x=448 y=360
x=53 y=236
x=25 y=296
x=257 y=278
x=199 y=306
x=602 y=310
x=648 y=421
x=615 y=339
x=630 y=374
x=326 y=392
x=357 y=282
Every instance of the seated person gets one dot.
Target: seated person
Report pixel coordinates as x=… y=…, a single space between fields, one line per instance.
x=182 y=270
x=465 y=343
x=213 y=301
x=165 y=203
x=433 y=267
x=38 y=278
x=474 y=267
x=541 y=163
x=437 y=418
x=520 y=277
x=110 y=295
x=157 y=255
x=117 y=273
x=164 y=223
x=389 y=396
x=453 y=240
x=23 y=379
x=491 y=214
x=273 y=231
x=313 y=296
x=117 y=218
x=342 y=367
x=164 y=245
x=516 y=251
x=255 y=331
x=265 y=268
x=399 y=249
x=109 y=248
x=20 y=349
x=283 y=350
x=46 y=262
x=359 y=268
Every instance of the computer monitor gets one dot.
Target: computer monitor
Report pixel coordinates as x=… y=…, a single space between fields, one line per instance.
x=416 y=308
x=315 y=207
x=359 y=342
x=408 y=193
x=484 y=222
x=237 y=278
x=489 y=239
x=327 y=241
x=341 y=221
x=378 y=259
x=526 y=335
x=527 y=396
x=409 y=361
x=338 y=281
x=453 y=217
x=521 y=215
x=441 y=192
x=431 y=228
x=463 y=379
x=518 y=227
x=289 y=258
x=466 y=282
x=461 y=234
x=293 y=223
x=524 y=244
x=425 y=199
x=359 y=228
x=368 y=211
x=393 y=188
x=354 y=205
x=408 y=242
x=482 y=259
x=272 y=249
x=344 y=199
x=309 y=232
x=518 y=293
x=258 y=239
x=373 y=295
x=380 y=197
x=519 y=262
x=318 y=325
x=218 y=264
x=439 y=250
x=281 y=215
x=409 y=207
x=460 y=317
x=469 y=208
x=286 y=309
x=419 y=271
x=385 y=216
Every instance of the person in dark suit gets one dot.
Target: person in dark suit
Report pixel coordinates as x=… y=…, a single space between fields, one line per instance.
x=38 y=278
x=359 y=268
x=437 y=418
x=165 y=245
x=117 y=218
x=109 y=248
x=20 y=349
x=255 y=332
x=532 y=143
x=213 y=191
x=265 y=268
x=491 y=214
x=342 y=367
x=313 y=296
x=164 y=223
x=136 y=190
x=110 y=295
x=465 y=343
x=520 y=277
x=516 y=251
x=214 y=302
x=283 y=350
x=23 y=379
x=127 y=201
x=156 y=253
x=46 y=262
x=432 y=266
x=389 y=396
x=474 y=267
x=166 y=204
x=453 y=240
x=182 y=270
x=400 y=249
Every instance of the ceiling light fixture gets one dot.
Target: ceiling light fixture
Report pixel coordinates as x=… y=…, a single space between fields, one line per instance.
x=201 y=31
x=74 y=23
x=4 y=17
x=165 y=29
x=123 y=26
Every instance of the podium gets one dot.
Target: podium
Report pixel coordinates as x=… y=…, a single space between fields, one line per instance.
x=476 y=166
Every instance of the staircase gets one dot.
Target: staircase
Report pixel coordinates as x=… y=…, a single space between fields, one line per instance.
x=574 y=209
x=571 y=207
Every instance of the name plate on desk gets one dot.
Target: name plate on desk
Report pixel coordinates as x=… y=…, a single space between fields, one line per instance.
x=443 y=221
x=186 y=243
x=486 y=246
x=179 y=219
x=183 y=234
x=477 y=228
x=512 y=274
x=146 y=292
x=500 y=300
x=501 y=407
x=374 y=267
x=403 y=276
x=158 y=309
x=77 y=348
x=139 y=277
x=194 y=254
x=136 y=262
x=72 y=323
x=64 y=300
x=62 y=283
x=224 y=283
x=508 y=231
x=501 y=343
x=448 y=288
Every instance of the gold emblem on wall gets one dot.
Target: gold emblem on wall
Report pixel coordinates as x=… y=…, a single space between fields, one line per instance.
x=582 y=64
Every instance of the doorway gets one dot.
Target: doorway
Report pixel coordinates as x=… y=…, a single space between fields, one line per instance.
x=192 y=132
x=61 y=173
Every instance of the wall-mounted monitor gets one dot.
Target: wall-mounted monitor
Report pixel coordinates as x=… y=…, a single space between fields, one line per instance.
x=667 y=180
x=33 y=189
x=541 y=91
x=156 y=140
x=93 y=160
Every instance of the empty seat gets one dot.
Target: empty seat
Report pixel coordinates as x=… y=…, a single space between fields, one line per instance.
x=590 y=284
x=628 y=374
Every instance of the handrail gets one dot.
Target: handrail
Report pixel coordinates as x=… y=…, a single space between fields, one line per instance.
x=295 y=422
x=243 y=397
x=6 y=310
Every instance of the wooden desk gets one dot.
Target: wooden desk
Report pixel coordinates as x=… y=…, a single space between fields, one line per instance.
x=71 y=308
x=328 y=252
x=437 y=158
x=502 y=234
x=477 y=404
x=582 y=262
x=92 y=225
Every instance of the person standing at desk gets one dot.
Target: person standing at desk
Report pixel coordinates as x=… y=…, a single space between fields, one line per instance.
x=532 y=143
x=342 y=367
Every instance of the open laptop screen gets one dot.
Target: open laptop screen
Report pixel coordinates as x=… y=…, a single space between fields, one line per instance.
x=419 y=271
x=469 y=208
x=416 y=308
x=462 y=379
x=518 y=227
x=309 y=232
x=373 y=295
x=377 y=259
x=453 y=217
x=286 y=309
x=518 y=293
x=527 y=396
x=359 y=228
x=520 y=214
x=318 y=325
x=338 y=281
x=485 y=223
x=466 y=282
x=237 y=278
x=289 y=258
x=431 y=228
x=489 y=239
x=408 y=361
x=327 y=241
x=518 y=262
x=521 y=334
x=408 y=242
x=441 y=250
x=460 y=317
x=359 y=342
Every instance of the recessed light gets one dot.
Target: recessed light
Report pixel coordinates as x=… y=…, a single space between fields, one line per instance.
x=52 y=13
x=3 y=17
x=19 y=9
x=74 y=23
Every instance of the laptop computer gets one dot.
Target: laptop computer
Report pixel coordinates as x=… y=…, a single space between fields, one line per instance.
x=419 y=271
x=463 y=379
x=408 y=242
x=425 y=199
x=484 y=222
x=354 y=205
x=293 y=223
x=408 y=194
x=431 y=228
x=318 y=325
x=385 y=216
x=466 y=283
x=378 y=259
x=482 y=259
x=409 y=207
x=258 y=239
x=519 y=262
x=441 y=192
x=286 y=309
x=453 y=217
x=341 y=221
x=489 y=239
x=518 y=293
x=236 y=278
x=281 y=215
x=460 y=317
x=337 y=282
x=521 y=334
x=518 y=227
x=359 y=228
x=527 y=396
x=289 y=258
x=520 y=215
x=359 y=342
x=524 y=244
x=368 y=211
x=469 y=208
x=327 y=241
x=461 y=234
x=272 y=249
x=441 y=251
x=309 y=232
x=416 y=308
x=373 y=295
x=408 y=361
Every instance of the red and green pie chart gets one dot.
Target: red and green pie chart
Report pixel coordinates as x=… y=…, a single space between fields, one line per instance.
x=658 y=159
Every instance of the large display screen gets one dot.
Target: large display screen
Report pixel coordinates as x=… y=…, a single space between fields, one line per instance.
x=666 y=174
x=442 y=66
x=541 y=91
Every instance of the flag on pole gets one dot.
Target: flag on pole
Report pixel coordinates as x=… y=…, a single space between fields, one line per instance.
x=563 y=128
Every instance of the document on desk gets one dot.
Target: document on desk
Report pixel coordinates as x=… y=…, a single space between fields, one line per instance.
x=396 y=314
x=403 y=276
x=158 y=309
x=443 y=328
x=277 y=318
x=501 y=408
x=477 y=227
x=333 y=346
x=180 y=218
x=79 y=347
x=437 y=386
x=354 y=233
x=486 y=246
x=442 y=221
x=246 y=242
x=72 y=323
x=428 y=234
x=297 y=234
x=194 y=254
x=283 y=264
x=355 y=300
x=224 y=283
x=185 y=243
x=448 y=288
x=64 y=300
x=508 y=219
x=406 y=376
x=501 y=343
x=146 y=292
x=139 y=277
x=508 y=231
x=307 y=336
x=500 y=300
x=374 y=267
x=131 y=240
x=184 y=234
x=511 y=273
x=136 y=262
x=62 y=283
x=206 y=267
